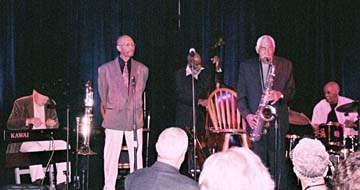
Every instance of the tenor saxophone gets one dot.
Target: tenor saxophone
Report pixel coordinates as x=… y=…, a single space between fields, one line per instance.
x=265 y=112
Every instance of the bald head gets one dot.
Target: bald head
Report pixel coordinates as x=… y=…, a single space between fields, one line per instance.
x=197 y=61
x=333 y=86
x=171 y=146
x=331 y=92
x=125 y=46
x=122 y=38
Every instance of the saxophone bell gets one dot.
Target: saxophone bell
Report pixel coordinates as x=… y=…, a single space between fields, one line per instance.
x=268 y=113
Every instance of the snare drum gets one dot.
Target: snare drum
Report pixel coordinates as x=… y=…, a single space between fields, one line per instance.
x=333 y=136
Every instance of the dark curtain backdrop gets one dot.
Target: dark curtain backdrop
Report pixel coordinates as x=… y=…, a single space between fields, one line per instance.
x=65 y=41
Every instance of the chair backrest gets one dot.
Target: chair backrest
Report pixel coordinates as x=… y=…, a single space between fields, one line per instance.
x=223 y=112
x=225 y=117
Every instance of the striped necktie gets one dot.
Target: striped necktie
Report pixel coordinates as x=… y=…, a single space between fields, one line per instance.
x=126 y=75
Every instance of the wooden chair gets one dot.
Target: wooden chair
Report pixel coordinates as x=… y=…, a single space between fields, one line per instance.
x=20 y=162
x=224 y=115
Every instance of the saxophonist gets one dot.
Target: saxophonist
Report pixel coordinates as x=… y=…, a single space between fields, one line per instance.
x=252 y=84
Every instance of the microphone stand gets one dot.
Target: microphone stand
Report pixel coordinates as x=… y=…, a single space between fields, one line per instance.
x=276 y=152
x=67 y=146
x=76 y=185
x=146 y=119
x=193 y=117
x=133 y=84
x=148 y=140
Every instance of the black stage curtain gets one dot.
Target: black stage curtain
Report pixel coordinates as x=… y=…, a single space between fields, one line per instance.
x=65 y=42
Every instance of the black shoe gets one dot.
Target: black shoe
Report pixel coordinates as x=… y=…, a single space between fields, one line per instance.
x=37 y=182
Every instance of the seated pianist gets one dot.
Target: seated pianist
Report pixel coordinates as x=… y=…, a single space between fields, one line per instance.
x=34 y=112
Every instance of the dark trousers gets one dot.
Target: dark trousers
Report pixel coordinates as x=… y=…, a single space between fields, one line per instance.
x=271 y=150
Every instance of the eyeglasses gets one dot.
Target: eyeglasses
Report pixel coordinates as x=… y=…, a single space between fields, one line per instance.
x=128 y=45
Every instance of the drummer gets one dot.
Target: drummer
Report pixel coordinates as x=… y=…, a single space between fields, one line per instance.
x=325 y=111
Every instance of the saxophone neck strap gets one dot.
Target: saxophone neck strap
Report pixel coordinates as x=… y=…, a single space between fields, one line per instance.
x=263 y=79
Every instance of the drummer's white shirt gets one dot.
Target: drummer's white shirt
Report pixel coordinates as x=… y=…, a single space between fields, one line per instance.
x=322 y=109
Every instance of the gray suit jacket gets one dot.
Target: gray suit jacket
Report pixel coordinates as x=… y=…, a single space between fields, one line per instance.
x=116 y=99
x=159 y=176
x=23 y=108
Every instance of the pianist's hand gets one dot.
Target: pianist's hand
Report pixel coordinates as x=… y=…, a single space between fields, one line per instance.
x=35 y=121
x=50 y=122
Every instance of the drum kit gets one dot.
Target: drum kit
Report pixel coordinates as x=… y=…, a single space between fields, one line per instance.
x=332 y=136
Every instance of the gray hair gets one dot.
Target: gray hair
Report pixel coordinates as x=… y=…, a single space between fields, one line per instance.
x=172 y=143
x=261 y=38
x=310 y=159
x=237 y=168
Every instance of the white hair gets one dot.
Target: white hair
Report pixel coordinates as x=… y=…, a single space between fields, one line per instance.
x=235 y=169
x=310 y=159
x=261 y=38
x=172 y=143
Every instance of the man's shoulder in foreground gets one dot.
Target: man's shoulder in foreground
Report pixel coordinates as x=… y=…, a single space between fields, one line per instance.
x=160 y=177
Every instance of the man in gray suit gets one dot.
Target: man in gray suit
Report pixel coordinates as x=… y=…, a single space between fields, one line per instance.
x=121 y=83
x=164 y=174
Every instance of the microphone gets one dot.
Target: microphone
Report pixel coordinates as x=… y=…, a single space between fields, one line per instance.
x=192 y=52
x=132 y=81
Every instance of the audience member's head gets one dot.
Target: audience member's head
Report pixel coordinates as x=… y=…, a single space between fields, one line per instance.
x=171 y=146
x=237 y=168
x=347 y=173
x=310 y=161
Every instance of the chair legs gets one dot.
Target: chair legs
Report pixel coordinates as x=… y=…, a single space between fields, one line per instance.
x=18 y=172
x=244 y=141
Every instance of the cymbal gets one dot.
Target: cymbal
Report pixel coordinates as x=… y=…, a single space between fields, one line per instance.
x=349 y=107
x=296 y=118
